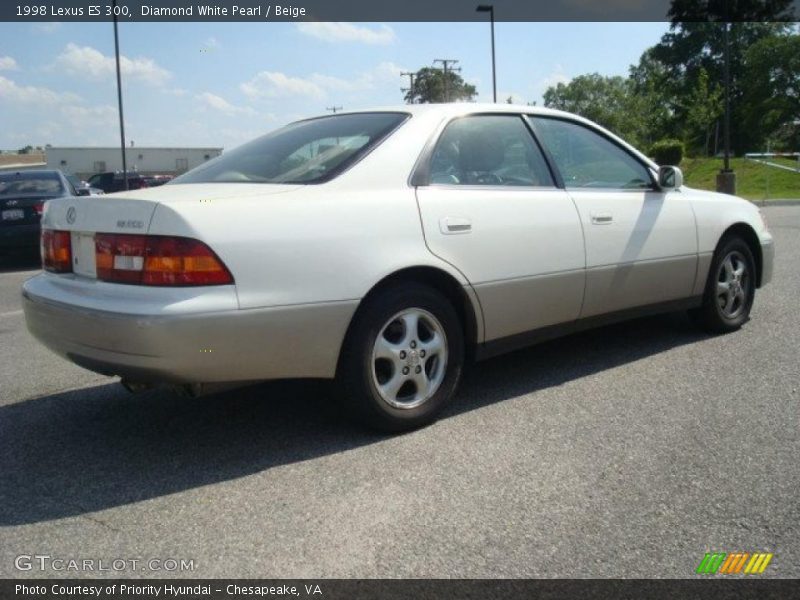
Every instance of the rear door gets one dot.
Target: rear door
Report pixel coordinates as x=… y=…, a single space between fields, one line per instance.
x=641 y=243
x=490 y=207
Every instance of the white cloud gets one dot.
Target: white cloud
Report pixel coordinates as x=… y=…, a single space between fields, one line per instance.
x=47 y=27
x=218 y=103
x=554 y=78
x=347 y=32
x=90 y=63
x=276 y=84
x=90 y=116
x=8 y=64
x=176 y=91
x=33 y=96
x=317 y=85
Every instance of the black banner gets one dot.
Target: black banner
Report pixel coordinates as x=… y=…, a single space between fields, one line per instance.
x=407 y=10
x=390 y=589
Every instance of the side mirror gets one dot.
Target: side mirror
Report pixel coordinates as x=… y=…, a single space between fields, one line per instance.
x=83 y=192
x=670 y=178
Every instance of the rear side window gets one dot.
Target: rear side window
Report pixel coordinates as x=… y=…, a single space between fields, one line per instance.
x=311 y=151
x=586 y=159
x=496 y=150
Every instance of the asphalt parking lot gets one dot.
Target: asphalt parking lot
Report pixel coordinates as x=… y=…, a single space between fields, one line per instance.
x=628 y=451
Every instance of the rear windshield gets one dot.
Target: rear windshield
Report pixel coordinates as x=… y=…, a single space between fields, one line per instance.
x=311 y=151
x=30 y=183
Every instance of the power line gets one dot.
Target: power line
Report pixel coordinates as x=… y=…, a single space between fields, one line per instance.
x=410 y=87
x=445 y=63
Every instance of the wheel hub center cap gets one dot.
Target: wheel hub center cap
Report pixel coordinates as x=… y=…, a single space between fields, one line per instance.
x=412 y=358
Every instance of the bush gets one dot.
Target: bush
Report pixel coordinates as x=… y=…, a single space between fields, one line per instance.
x=667 y=152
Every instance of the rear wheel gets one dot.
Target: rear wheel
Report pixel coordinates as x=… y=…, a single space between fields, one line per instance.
x=730 y=288
x=402 y=360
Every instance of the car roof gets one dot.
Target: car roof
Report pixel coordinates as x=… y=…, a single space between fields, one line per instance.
x=456 y=109
x=460 y=108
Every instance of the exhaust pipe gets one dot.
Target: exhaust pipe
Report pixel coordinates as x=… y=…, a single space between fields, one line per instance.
x=136 y=387
x=187 y=390
x=196 y=390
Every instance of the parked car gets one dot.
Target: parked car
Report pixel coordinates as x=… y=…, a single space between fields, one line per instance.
x=156 y=180
x=82 y=188
x=22 y=198
x=112 y=181
x=386 y=249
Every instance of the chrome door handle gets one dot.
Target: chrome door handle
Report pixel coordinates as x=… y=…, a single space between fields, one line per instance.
x=602 y=218
x=451 y=225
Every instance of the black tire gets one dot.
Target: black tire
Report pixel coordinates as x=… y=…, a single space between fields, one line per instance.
x=715 y=314
x=359 y=374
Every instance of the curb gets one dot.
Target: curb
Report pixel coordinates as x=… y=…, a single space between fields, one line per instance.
x=768 y=203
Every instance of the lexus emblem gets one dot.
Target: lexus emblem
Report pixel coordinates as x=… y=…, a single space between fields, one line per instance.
x=71 y=215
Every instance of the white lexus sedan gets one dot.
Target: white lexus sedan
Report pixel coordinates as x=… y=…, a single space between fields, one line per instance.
x=386 y=249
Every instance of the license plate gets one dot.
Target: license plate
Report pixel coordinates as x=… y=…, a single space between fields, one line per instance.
x=83 y=255
x=13 y=215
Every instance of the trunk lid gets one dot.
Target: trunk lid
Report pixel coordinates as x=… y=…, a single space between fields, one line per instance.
x=131 y=212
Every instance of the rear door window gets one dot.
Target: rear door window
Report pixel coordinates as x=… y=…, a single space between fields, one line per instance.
x=491 y=150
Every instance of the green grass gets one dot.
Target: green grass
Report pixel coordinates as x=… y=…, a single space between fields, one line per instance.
x=752 y=178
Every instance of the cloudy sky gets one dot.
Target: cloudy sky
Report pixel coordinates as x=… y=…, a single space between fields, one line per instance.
x=220 y=84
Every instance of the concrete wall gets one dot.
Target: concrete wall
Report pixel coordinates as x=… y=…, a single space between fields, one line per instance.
x=84 y=162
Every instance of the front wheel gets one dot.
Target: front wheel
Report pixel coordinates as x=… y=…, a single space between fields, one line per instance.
x=730 y=288
x=402 y=359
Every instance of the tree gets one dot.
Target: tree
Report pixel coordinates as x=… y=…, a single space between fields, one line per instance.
x=696 y=41
x=608 y=101
x=430 y=86
x=703 y=106
x=772 y=82
x=654 y=99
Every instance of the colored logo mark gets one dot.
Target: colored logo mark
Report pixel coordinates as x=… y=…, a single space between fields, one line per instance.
x=733 y=563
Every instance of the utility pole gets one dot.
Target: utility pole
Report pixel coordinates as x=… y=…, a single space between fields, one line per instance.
x=119 y=99
x=445 y=63
x=333 y=109
x=410 y=87
x=726 y=178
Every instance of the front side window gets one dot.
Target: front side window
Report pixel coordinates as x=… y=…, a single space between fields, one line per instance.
x=588 y=160
x=305 y=152
x=495 y=150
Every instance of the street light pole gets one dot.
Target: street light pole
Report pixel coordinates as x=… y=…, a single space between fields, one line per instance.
x=490 y=9
x=119 y=99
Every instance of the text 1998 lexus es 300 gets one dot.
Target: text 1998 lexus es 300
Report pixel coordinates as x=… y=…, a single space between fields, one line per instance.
x=385 y=249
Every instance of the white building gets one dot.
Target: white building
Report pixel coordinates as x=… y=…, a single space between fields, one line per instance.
x=84 y=162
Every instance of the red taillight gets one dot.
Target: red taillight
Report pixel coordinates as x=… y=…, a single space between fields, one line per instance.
x=157 y=260
x=39 y=208
x=56 y=251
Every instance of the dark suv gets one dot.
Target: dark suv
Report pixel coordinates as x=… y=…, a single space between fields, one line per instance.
x=115 y=182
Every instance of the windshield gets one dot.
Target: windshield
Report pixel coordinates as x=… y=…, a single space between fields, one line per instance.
x=31 y=183
x=305 y=152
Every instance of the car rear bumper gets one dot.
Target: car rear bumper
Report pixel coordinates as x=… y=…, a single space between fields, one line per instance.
x=19 y=236
x=767 y=261
x=227 y=346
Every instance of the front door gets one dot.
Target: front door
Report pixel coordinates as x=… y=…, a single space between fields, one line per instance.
x=641 y=243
